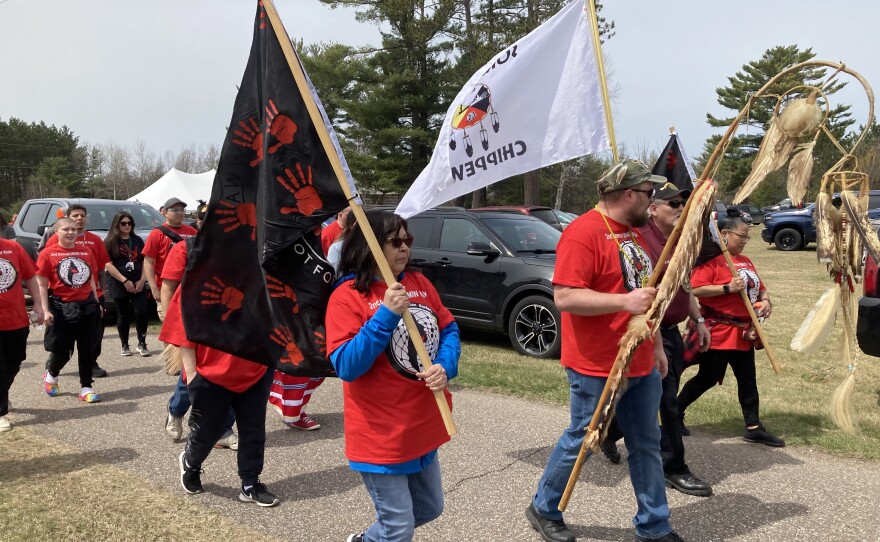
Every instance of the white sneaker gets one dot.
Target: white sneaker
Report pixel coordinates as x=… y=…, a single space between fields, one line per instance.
x=5 y=425
x=143 y=350
x=126 y=351
x=174 y=427
x=228 y=440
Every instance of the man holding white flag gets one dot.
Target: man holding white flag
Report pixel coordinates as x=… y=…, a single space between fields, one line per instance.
x=537 y=103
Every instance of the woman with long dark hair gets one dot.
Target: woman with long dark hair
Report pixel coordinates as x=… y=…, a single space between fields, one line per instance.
x=126 y=280
x=392 y=425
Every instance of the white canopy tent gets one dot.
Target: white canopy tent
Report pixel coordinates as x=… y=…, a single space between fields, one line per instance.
x=189 y=187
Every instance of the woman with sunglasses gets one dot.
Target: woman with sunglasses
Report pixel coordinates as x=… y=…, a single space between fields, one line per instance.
x=733 y=336
x=392 y=425
x=126 y=280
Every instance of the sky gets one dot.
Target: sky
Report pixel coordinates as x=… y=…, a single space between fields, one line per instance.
x=164 y=71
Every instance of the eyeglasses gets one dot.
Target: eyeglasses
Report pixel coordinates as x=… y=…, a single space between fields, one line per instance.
x=675 y=204
x=650 y=191
x=742 y=236
x=125 y=223
x=397 y=241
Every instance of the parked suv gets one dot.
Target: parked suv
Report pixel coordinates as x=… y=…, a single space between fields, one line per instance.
x=546 y=214
x=757 y=215
x=37 y=214
x=868 y=325
x=493 y=270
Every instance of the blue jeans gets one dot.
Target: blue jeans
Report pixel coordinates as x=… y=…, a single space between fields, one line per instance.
x=403 y=502
x=180 y=403
x=637 y=416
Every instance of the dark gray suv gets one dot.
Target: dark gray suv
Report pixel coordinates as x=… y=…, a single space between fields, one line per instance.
x=493 y=270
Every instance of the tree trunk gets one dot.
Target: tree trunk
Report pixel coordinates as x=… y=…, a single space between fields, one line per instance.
x=532 y=188
x=478 y=198
x=563 y=178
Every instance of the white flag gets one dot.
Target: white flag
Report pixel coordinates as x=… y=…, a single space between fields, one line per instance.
x=535 y=104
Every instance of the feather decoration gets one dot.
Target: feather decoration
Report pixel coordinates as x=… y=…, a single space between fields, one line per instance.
x=799 y=170
x=800 y=117
x=827 y=226
x=817 y=326
x=858 y=220
x=173 y=359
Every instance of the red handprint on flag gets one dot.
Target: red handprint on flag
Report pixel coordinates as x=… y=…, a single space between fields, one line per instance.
x=321 y=342
x=250 y=136
x=280 y=126
x=278 y=289
x=238 y=215
x=307 y=198
x=283 y=337
x=218 y=293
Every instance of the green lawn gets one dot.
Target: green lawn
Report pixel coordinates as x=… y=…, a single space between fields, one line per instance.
x=793 y=404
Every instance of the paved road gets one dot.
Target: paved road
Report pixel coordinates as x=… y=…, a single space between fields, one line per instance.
x=489 y=469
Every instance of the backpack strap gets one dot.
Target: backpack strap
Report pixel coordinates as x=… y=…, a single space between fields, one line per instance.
x=173 y=235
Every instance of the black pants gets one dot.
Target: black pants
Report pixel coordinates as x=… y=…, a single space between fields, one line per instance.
x=98 y=340
x=132 y=307
x=671 y=443
x=60 y=339
x=713 y=365
x=209 y=418
x=13 y=348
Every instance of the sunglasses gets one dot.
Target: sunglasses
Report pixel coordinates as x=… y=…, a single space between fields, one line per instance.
x=650 y=191
x=125 y=223
x=675 y=204
x=397 y=241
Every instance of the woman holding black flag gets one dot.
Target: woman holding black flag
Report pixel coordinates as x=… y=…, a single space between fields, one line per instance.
x=126 y=280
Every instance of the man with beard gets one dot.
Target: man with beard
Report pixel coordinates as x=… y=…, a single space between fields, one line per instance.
x=602 y=271
x=665 y=211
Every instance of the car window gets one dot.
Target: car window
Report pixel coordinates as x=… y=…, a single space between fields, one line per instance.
x=525 y=235
x=564 y=218
x=547 y=215
x=873 y=201
x=101 y=216
x=458 y=232
x=420 y=229
x=34 y=217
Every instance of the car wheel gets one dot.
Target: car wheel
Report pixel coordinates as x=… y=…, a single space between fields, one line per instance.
x=534 y=327
x=788 y=239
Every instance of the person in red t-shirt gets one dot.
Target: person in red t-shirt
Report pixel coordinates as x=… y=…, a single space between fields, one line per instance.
x=392 y=425
x=15 y=266
x=602 y=269
x=159 y=243
x=95 y=244
x=331 y=232
x=71 y=309
x=733 y=336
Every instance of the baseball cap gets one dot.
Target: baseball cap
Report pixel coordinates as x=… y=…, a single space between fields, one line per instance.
x=626 y=174
x=669 y=191
x=172 y=202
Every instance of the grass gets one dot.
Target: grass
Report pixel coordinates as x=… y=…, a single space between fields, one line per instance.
x=54 y=492
x=793 y=404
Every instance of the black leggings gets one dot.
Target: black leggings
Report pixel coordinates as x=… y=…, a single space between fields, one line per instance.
x=13 y=347
x=713 y=365
x=128 y=308
x=60 y=339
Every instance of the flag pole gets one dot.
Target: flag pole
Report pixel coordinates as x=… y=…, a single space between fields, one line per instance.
x=375 y=247
x=600 y=64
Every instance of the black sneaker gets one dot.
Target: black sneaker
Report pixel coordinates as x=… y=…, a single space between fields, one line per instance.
x=98 y=372
x=551 y=530
x=609 y=449
x=259 y=494
x=671 y=537
x=759 y=435
x=190 y=478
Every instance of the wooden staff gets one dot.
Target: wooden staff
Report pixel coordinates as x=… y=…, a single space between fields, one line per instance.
x=745 y=297
x=375 y=247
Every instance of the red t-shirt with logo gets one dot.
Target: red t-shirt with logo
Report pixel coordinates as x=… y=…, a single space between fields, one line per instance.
x=15 y=266
x=587 y=256
x=233 y=373
x=390 y=416
x=158 y=246
x=69 y=271
x=715 y=272
x=99 y=252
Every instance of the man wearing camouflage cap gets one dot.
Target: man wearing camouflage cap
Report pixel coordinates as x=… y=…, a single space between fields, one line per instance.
x=602 y=270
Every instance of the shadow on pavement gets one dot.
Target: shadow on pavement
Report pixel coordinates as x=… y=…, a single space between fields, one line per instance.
x=133 y=394
x=147 y=369
x=64 y=463
x=302 y=487
x=286 y=437
x=77 y=411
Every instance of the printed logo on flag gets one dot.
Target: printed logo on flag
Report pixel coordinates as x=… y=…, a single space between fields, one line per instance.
x=73 y=272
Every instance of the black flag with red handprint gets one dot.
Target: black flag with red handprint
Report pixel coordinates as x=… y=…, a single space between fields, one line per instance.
x=674 y=165
x=257 y=282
